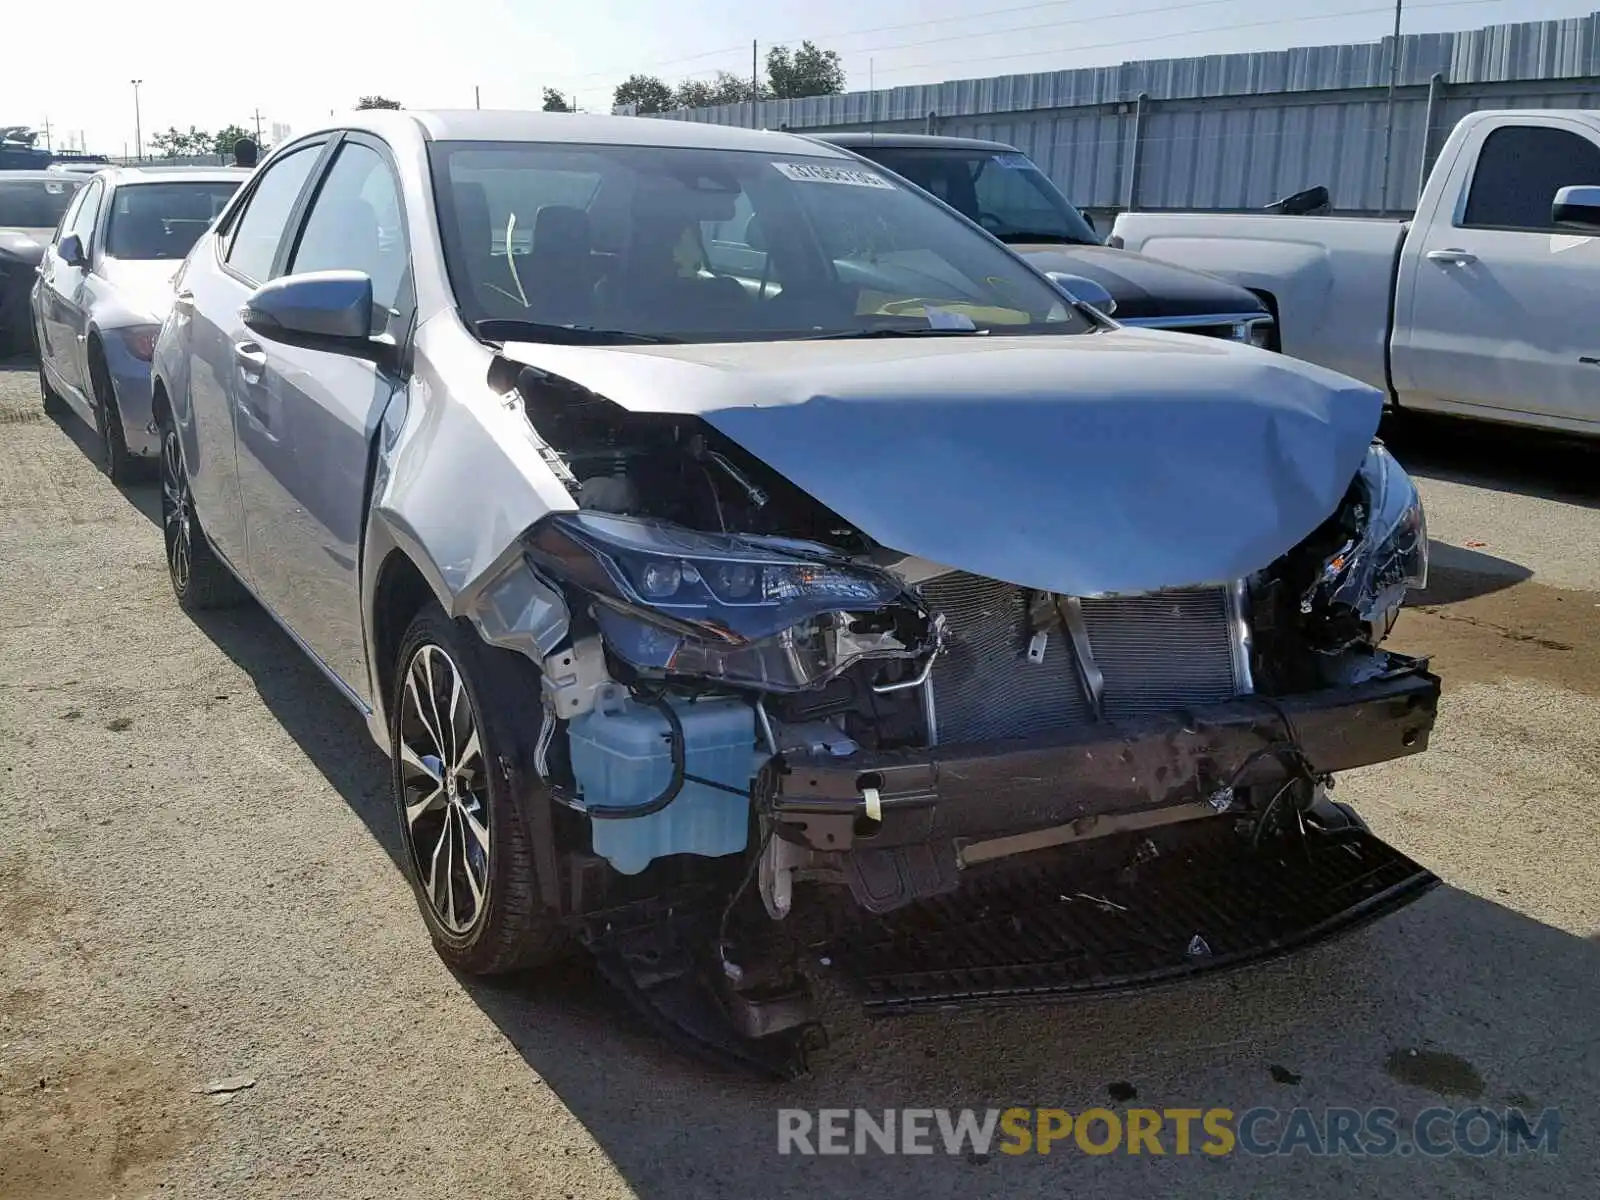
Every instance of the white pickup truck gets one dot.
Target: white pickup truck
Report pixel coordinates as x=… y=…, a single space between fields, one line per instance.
x=1486 y=304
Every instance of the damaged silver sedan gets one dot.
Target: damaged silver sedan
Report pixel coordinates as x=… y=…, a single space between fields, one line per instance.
x=752 y=568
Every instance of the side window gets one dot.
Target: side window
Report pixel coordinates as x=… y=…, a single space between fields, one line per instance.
x=69 y=218
x=1520 y=170
x=259 y=229
x=356 y=224
x=88 y=212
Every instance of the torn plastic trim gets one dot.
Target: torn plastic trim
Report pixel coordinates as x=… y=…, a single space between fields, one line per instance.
x=515 y=607
x=1385 y=556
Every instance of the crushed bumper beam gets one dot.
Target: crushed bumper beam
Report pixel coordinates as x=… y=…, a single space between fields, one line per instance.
x=903 y=798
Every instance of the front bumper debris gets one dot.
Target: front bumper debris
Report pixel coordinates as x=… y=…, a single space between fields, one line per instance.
x=1143 y=888
x=1047 y=930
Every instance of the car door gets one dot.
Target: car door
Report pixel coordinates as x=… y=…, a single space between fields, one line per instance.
x=46 y=315
x=222 y=356
x=303 y=469
x=1495 y=309
x=65 y=303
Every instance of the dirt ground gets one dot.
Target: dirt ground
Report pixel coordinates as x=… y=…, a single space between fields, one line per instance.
x=213 y=980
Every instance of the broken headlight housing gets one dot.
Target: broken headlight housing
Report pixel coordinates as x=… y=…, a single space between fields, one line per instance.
x=1359 y=588
x=761 y=612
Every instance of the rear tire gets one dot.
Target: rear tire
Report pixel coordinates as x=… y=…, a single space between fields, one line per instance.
x=457 y=760
x=199 y=579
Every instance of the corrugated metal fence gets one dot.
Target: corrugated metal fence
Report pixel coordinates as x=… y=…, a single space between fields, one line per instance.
x=1235 y=130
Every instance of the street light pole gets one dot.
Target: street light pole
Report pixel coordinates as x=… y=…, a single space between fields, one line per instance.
x=1388 y=121
x=138 y=132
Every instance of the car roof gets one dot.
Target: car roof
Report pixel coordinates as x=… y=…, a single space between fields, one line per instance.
x=123 y=176
x=912 y=141
x=41 y=176
x=492 y=125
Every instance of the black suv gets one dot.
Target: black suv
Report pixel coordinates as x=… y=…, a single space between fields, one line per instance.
x=1001 y=189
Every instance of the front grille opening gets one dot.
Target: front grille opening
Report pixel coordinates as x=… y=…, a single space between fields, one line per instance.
x=1153 y=653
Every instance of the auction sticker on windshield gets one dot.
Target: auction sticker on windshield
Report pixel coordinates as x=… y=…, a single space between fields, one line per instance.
x=818 y=173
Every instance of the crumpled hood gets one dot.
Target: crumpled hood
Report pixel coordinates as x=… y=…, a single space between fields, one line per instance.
x=1123 y=461
x=144 y=286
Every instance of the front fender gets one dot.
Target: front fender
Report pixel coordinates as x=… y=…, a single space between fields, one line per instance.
x=457 y=480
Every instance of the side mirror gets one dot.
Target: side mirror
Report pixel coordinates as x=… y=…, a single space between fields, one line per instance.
x=1578 y=208
x=321 y=310
x=1086 y=291
x=70 y=248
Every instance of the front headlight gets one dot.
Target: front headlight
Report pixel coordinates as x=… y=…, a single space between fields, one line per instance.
x=1360 y=587
x=763 y=612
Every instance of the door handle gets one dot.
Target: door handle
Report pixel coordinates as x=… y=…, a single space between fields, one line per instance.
x=184 y=299
x=252 y=360
x=1459 y=258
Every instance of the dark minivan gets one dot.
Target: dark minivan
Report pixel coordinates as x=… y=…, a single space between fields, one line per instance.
x=1001 y=189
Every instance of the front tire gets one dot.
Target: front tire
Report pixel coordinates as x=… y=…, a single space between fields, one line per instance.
x=115 y=462
x=456 y=759
x=199 y=580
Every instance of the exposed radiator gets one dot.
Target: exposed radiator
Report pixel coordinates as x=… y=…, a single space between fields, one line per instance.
x=1151 y=653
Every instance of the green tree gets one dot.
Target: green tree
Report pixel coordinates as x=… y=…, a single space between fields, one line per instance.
x=173 y=142
x=377 y=102
x=651 y=94
x=725 y=88
x=225 y=138
x=808 y=71
x=554 y=101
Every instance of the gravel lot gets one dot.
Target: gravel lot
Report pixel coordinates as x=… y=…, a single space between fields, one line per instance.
x=198 y=881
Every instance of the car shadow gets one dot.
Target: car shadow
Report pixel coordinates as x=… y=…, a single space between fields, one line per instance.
x=1445 y=971
x=1505 y=458
x=1456 y=574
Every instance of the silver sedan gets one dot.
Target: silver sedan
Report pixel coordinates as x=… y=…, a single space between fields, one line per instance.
x=105 y=286
x=713 y=527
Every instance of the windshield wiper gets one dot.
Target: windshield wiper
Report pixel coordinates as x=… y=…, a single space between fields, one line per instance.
x=892 y=331
x=499 y=329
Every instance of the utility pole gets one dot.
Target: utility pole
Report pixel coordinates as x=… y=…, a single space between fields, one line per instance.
x=47 y=143
x=477 y=100
x=138 y=132
x=258 y=127
x=1388 y=120
x=755 y=75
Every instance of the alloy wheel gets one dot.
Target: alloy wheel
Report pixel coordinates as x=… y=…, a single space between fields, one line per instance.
x=177 y=512
x=444 y=789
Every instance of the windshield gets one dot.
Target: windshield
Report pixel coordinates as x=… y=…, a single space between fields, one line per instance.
x=718 y=245
x=1005 y=193
x=35 y=203
x=163 y=220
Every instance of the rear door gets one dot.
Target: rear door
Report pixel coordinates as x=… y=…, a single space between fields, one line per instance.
x=1495 y=309
x=223 y=366
x=303 y=465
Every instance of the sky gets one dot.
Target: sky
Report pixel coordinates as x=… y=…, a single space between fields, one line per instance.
x=294 y=61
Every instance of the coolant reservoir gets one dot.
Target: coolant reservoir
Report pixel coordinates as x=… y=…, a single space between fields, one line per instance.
x=622 y=758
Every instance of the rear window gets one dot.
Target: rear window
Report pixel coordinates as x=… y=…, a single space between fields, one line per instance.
x=35 y=203
x=163 y=220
